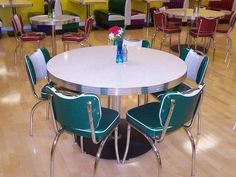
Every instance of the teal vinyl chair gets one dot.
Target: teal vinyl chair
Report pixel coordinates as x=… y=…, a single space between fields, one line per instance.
x=197 y=64
x=135 y=42
x=157 y=119
x=83 y=115
x=36 y=64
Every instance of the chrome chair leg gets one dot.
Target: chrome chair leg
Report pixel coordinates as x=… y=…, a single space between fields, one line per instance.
x=82 y=144
x=193 y=151
x=64 y=45
x=153 y=39
x=53 y=148
x=48 y=110
x=199 y=124
x=32 y=114
x=234 y=128
x=116 y=146
x=127 y=143
x=157 y=154
x=98 y=155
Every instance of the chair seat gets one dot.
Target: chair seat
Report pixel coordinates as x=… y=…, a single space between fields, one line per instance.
x=180 y=88
x=222 y=29
x=193 y=32
x=172 y=29
x=32 y=36
x=146 y=119
x=44 y=90
x=110 y=119
x=73 y=37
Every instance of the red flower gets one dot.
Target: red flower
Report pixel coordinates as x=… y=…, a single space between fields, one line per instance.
x=114 y=30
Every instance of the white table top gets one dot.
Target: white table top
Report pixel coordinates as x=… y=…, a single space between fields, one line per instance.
x=188 y=13
x=94 y=70
x=58 y=20
x=85 y=2
x=15 y=3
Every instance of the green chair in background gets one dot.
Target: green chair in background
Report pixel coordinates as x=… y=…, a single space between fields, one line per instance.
x=83 y=115
x=197 y=64
x=154 y=120
x=36 y=67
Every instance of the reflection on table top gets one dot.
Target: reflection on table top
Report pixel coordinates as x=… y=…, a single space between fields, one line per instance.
x=85 y=2
x=188 y=13
x=15 y=3
x=94 y=70
x=58 y=20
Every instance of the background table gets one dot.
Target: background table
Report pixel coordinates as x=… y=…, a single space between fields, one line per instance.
x=189 y=15
x=94 y=70
x=58 y=20
x=15 y=4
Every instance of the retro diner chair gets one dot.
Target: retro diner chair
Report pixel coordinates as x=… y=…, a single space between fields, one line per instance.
x=22 y=36
x=197 y=64
x=83 y=115
x=82 y=38
x=228 y=31
x=157 y=119
x=205 y=29
x=36 y=70
x=161 y=25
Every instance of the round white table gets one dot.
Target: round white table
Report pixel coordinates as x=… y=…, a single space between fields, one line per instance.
x=188 y=13
x=58 y=20
x=94 y=70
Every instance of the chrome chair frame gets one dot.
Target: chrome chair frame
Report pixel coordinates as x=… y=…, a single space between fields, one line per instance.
x=206 y=43
x=159 y=139
x=86 y=33
x=162 y=29
x=39 y=98
x=93 y=137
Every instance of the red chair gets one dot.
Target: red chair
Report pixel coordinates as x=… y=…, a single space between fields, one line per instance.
x=205 y=29
x=228 y=30
x=82 y=38
x=161 y=25
x=21 y=36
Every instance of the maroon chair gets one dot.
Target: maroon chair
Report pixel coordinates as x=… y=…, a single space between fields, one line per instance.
x=21 y=36
x=205 y=29
x=82 y=38
x=161 y=25
x=223 y=5
x=228 y=30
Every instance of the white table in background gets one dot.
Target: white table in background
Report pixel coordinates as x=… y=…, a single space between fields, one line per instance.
x=58 y=20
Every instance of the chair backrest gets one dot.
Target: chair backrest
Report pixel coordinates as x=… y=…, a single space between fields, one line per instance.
x=206 y=25
x=222 y=5
x=160 y=20
x=134 y=42
x=17 y=24
x=196 y=64
x=88 y=26
x=36 y=65
x=71 y=111
x=117 y=6
x=185 y=107
x=174 y=4
x=232 y=21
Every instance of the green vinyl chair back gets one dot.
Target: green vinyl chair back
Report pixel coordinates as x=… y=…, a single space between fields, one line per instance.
x=138 y=43
x=34 y=68
x=117 y=6
x=186 y=105
x=72 y=113
x=203 y=66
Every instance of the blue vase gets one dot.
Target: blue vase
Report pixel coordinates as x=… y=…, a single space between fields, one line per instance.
x=119 y=52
